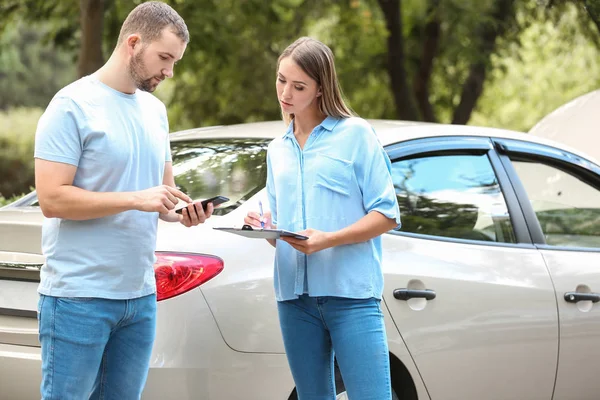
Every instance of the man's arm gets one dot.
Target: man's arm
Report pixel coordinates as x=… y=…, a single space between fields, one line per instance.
x=168 y=177
x=58 y=197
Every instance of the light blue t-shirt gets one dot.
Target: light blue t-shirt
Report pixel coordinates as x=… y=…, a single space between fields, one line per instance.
x=341 y=175
x=119 y=143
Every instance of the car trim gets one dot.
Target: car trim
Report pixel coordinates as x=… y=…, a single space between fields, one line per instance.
x=436 y=145
x=511 y=197
x=467 y=145
x=565 y=248
x=13 y=312
x=546 y=153
x=24 y=201
x=562 y=159
x=24 y=272
x=533 y=225
x=458 y=240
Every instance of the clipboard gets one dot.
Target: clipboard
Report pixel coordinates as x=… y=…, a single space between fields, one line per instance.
x=261 y=233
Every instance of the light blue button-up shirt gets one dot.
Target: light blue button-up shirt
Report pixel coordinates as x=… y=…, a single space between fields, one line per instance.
x=340 y=176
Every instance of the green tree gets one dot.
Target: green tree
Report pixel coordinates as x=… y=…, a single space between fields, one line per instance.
x=555 y=60
x=31 y=70
x=412 y=59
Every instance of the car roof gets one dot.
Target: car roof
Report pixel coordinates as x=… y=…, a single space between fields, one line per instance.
x=388 y=131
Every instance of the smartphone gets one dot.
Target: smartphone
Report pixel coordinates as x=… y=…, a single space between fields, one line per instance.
x=215 y=200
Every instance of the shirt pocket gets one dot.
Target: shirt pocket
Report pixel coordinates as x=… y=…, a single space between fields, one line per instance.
x=333 y=174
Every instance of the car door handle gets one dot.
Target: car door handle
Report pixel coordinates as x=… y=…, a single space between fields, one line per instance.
x=574 y=297
x=405 y=294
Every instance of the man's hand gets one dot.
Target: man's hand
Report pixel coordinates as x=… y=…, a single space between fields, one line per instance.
x=193 y=214
x=161 y=199
x=317 y=241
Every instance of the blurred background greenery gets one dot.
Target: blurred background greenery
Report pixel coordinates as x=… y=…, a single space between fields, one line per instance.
x=501 y=63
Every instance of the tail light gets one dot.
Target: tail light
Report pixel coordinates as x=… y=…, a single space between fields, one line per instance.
x=177 y=273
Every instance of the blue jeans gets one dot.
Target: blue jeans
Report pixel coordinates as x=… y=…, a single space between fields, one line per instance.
x=95 y=348
x=314 y=328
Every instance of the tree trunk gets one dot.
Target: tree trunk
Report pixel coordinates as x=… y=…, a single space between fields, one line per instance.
x=90 y=50
x=431 y=39
x=488 y=31
x=405 y=108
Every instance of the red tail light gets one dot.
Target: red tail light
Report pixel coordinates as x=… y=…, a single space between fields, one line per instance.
x=177 y=273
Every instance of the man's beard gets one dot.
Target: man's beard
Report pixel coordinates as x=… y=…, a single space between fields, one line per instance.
x=137 y=71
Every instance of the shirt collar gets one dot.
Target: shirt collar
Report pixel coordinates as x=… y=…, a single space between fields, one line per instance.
x=290 y=130
x=328 y=123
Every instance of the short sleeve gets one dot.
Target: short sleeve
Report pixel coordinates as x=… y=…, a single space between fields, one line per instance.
x=373 y=170
x=271 y=192
x=57 y=137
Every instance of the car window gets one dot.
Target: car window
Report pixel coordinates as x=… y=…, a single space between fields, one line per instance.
x=455 y=196
x=234 y=168
x=567 y=208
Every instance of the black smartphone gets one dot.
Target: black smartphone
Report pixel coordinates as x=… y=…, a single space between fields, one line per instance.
x=215 y=200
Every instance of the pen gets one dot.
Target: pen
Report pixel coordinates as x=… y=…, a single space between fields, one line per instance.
x=262 y=223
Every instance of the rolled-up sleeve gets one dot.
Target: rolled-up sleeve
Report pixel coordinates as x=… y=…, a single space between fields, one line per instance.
x=373 y=172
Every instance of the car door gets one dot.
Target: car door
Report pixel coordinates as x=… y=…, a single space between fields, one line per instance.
x=468 y=291
x=560 y=195
x=20 y=260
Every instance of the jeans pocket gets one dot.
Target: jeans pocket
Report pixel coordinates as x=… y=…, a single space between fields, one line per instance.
x=378 y=304
x=40 y=305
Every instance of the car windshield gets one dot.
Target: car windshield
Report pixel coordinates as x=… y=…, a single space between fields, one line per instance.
x=234 y=168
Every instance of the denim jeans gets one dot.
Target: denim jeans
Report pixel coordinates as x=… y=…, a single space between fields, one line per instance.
x=95 y=348
x=314 y=328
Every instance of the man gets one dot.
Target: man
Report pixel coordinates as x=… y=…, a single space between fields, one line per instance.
x=104 y=176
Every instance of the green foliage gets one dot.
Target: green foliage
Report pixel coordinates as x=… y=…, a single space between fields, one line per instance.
x=5 y=201
x=356 y=34
x=31 y=71
x=61 y=17
x=228 y=72
x=554 y=63
x=17 y=134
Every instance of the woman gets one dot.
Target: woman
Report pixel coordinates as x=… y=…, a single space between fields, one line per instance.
x=329 y=179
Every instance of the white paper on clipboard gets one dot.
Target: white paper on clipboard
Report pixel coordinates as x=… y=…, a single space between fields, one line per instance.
x=260 y=233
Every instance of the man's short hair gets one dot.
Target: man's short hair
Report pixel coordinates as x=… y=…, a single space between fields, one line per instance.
x=150 y=19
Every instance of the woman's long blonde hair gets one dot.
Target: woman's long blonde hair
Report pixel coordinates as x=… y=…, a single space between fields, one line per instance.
x=316 y=60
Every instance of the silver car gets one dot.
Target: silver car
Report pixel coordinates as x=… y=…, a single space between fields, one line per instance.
x=492 y=285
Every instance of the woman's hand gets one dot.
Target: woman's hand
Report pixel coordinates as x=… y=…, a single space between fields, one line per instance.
x=317 y=241
x=254 y=219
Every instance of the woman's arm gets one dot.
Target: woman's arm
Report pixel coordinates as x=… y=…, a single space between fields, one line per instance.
x=371 y=225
